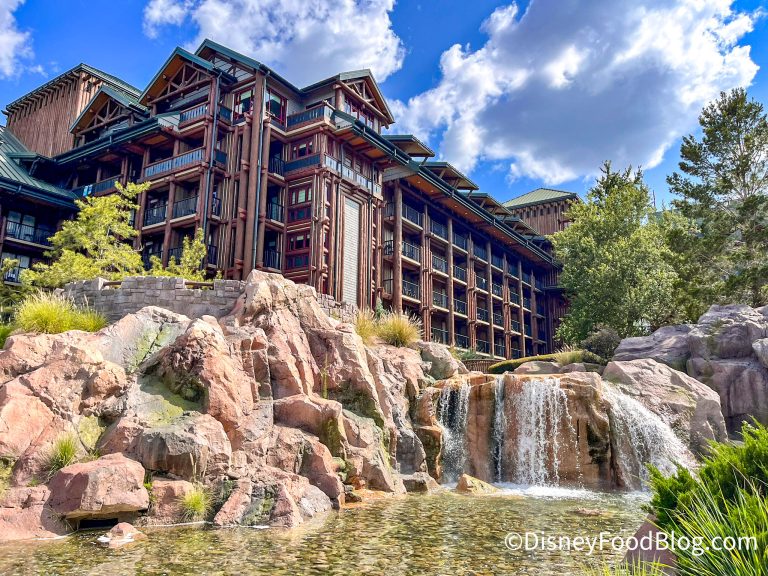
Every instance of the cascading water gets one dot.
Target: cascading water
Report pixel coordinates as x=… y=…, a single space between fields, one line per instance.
x=640 y=437
x=499 y=429
x=541 y=409
x=452 y=415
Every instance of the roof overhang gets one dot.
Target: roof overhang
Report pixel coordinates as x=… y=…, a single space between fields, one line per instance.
x=451 y=175
x=99 y=99
x=411 y=145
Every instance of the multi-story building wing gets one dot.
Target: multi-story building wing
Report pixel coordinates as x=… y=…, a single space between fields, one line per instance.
x=303 y=181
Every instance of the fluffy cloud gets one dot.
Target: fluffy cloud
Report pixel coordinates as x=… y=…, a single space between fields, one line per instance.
x=304 y=40
x=14 y=44
x=559 y=89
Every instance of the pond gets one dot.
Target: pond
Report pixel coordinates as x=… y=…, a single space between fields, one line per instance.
x=438 y=534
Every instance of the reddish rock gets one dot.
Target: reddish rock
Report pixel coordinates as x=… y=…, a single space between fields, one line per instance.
x=23 y=417
x=25 y=514
x=109 y=487
x=121 y=535
x=165 y=497
x=234 y=509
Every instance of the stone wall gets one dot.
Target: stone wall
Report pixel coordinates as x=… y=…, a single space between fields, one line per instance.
x=133 y=294
x=339 y=310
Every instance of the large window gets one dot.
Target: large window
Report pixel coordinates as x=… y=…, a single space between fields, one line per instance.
x=297 y=261
x=243 y=103
x=298 y=242
x=302 y=149
x=299 y=214
x=276 y=105
x=299 y=195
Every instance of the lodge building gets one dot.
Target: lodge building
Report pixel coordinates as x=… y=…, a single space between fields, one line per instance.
x=302 y=181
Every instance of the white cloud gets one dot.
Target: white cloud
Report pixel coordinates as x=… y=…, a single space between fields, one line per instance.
x=304 y=40
x=15 y=45
x=559 y=89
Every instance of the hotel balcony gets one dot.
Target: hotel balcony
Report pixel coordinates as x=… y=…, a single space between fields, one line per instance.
x=527 y=303
x=498 y=319
x=185 y=207
x=481 y=283
x=497 y=261
x=462 y=341
x=146 y=256
x=33 y=234
x=526 y=278
x=499 y=350
x=212 y=255
x=106 y=185
x=480 y=253
x=216 y=206
x=410 y=214
x=155 y=215
x=483 y=347
x=275 y=212
x=197 y=112
x=438 y=230
x=516 y=326
x=272 y=259
x=409 y=251
x=460 y=241
x=180 y=162
x=440 y=336
x=539 y=285
x=13 y=275
x=528 y=331
x=439 y=264
x=175 y=254
x=482 y=315
x=497 y=290
x=411 y=290
x=514 y=297
x=276 y=166
x=516 y=353
x=460 y=306
x=346 y=172
x=541 y=309
x=459 y=273
x=321 y=112
x=440 y=299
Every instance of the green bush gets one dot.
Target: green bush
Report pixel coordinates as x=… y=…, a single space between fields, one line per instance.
x=603 y=342
x=725 y=473
x=5 y=331
x=62 y=454
x=196 y=504
x=52 y=313
x=399 y=329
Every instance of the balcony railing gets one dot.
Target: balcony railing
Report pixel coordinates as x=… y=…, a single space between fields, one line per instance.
x=499 y=350
x=527 y=303
x=184 y=207
x=439 y=264
x=541 y=309
x=526 y=277
x=516 y=353
x=497 y=290
x=440 y=336
x=13 y=275
x=481 y=282
x=212 y=256
x=34 y=234
x=460 y=241
x=497 y=261
x=216 y=206
x=459 y=273
x=272 y=259
x=201 y=110
x=175 y=253
x=482 y=314
x=171 y=164
x=302 y=163
x=388 y=286
x=411 y=290
x=98 y=187
x=275 y=211
x=320 y=112
x=146 y=256
x=439 y=230
x=353 y=176
x=528 y=331
x=539 y=284
x=516 y=325
x=498 y=319
x=480 y=252
x=440 y=299
x=277 y=165
x=514 y=297
x=220 y=157
x=459 y=306
x=462 y=341
x=155 y=215
x=483 y=347
x=412 y=215
x=408 y=250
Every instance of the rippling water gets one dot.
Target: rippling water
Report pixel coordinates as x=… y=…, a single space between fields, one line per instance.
x=440 y=534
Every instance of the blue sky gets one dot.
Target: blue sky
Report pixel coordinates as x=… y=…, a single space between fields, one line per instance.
x=517 y=95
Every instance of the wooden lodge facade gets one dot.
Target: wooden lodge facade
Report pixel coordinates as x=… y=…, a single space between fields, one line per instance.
x=305 y=182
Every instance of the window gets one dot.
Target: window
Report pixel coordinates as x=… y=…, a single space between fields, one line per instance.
x=276 y=105
x=302 y=149
x=243 y=103
x=297 y=261
x=298 y=241
x=299 y=195
x=298 y=214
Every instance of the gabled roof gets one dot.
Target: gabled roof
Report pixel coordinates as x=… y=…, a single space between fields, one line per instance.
x=14 y=176
x=104 y=93
x=540 y=196
x=451 y=175
x=364 y=74
x=109 y=79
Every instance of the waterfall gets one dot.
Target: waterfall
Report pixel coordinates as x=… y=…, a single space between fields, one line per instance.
x=499 y=429
x=541 y=409
x=638 y=437
x=452 y=415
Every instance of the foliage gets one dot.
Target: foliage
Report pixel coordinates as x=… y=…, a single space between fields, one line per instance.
x=190 y=263
x=196 y=504
x=62 y=454
x=5 y=331
x=602 y=342
x=510 y=365
x=6 y=467
x=95 y=244
x=366 y=325
x=622 y=569
x=568 y=355
x=615 y=260
x=719 y=234
x=379 y=312
x=725 y=473
x=52 y=313
x=399 y=329
x=9 y=294
x=464 y=355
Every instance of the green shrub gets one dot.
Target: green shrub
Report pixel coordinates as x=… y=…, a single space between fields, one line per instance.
x=196 y=504
x=725 y=472
x=510 y=365
x=62 y=454
x=399 y=329
x=5 y=331
x=623 y=569
x=53 y=313
x=602 y=342
x=365 y=326
x=6 y=467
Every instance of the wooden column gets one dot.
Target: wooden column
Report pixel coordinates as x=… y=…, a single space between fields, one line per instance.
x=426 y=278
x=471 y=294
x=451 y=318
x=252 y=192
x=263 y=196
x=397 y=254
x=521 y=309
x=489 y=296
x=168 y=218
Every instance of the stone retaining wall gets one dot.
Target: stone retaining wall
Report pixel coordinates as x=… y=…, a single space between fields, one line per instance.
x=173 y=294
x=339 y=310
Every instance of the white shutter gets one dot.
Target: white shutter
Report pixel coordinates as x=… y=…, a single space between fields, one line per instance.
x=351 y=250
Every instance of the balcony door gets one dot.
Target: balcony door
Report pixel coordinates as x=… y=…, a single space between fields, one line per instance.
x=351 y=251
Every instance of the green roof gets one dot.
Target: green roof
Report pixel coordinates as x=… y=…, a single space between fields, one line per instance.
x=540 y=196
x=15 y=176
x=126 y=100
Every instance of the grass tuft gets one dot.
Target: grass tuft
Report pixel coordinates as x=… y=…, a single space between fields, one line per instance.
x=53 y=313
x=62 y=454
x=399 y=329
x=366 y=325
x=6 y=467
x=5 y=331
x=196 y=504
x=568 y=355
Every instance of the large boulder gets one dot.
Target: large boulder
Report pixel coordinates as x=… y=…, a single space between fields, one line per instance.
x=688 y=406
x=26 y=514
x=166 y=496
x=442 y=363
x=109 y=487
x=727 y=332
x=668 y=345
x=538 y=367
